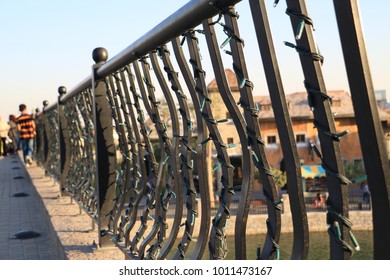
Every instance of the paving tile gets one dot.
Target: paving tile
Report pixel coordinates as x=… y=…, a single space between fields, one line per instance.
x=21 y=213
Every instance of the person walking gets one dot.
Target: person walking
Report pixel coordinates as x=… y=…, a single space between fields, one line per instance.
x=366 y=193
x=26 y=127
x=4 y=128
x=13 y=133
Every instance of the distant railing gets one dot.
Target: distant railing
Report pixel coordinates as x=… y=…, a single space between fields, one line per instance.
x=110 y=166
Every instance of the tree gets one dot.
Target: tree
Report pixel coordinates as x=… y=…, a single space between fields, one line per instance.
x=354 y=170
x=280 y=177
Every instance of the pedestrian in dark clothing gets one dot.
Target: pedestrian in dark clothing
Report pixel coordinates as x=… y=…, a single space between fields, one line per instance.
x=4 y=128
x=13 y=133
x=366 y=193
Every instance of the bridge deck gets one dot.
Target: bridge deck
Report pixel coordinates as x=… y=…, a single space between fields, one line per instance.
x=22 y=214
x=65 y=231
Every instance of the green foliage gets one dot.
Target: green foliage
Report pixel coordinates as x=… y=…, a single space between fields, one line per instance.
x=353 y=170
x=280 y=177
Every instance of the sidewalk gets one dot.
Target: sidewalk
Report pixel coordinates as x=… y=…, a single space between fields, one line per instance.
x=65 y=231
x=74 y=228
x=24 y=213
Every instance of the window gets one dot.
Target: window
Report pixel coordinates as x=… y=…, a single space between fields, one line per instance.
x=358 y=162
x=230 y=140
x=336 y=103
x=300 y=138
x=265 y=107
x=271 y=140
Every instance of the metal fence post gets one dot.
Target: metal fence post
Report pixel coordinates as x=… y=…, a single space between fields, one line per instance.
x=371 y=135
x=64 y=139
x=105 y=160
x=285 y=129
x=38 y=138
x=45 y=131
x=330 y=155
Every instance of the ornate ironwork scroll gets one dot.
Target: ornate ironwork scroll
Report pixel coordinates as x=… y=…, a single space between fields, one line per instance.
x=239 y=122
x=141 y=166
x=53 y=157
x=80 y=182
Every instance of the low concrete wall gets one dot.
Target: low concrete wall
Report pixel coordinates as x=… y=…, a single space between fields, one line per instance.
x=362 y=220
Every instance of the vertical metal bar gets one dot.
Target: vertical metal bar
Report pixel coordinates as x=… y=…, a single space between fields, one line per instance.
x=104 y=148
x=124 y=170
x=202 y=168
x=143 y=147
x=149 y=173
x=285 y=129
x=54 y=145
x=271 y=247
x=64 y=139
x=172 y=150
x=367 y=119
x=46 y=139
x=186 y=154
x=217 y=242
x=238 y=119
x=130 y=154
x=89 y=189
x=159 y=194
x=337 y=202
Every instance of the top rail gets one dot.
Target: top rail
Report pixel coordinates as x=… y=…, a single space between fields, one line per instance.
x=86 y=83
x=207 y=139
x=183 y=19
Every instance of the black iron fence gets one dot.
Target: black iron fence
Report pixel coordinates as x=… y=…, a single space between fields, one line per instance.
x=97 y=143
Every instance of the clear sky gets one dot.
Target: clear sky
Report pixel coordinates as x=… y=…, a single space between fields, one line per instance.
x=48 y=43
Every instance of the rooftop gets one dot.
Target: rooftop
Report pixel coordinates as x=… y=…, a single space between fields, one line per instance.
x=299 y=106
x=342 y=106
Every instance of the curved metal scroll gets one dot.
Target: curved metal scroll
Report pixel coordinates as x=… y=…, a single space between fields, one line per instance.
x=53 y=145
x=217 y=243
x=80 y=183
x=147 y=187
x=239 y=122
x=201 y=154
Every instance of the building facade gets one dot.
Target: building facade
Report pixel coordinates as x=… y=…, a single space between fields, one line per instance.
x=302 y=121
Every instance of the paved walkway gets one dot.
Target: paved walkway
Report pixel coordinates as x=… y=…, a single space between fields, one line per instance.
x=72 y=228
x=24 y=213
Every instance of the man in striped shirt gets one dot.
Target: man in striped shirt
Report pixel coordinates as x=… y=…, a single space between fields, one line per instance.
x=26 y=127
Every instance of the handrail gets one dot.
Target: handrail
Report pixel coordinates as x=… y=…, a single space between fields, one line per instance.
x=179 y=22
x=101 y=132
x=176 y=24
x=83 y=85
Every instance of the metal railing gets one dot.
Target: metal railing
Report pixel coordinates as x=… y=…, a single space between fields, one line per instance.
x=110 y=166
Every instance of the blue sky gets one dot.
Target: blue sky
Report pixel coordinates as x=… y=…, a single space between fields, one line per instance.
x=48 y=43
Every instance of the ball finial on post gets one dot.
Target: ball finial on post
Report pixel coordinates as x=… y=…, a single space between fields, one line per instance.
x=61 y=90
x=100 y=55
